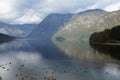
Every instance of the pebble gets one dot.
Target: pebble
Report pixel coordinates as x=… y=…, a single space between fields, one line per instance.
x=10 y=63
x=22 y=78
x=22 y=65
x=16 y=74
x=3 y=67
x=7 y=69
x=50 y=78
x=107 y=73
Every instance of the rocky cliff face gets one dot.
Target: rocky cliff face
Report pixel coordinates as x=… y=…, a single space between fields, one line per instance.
x=82 y=26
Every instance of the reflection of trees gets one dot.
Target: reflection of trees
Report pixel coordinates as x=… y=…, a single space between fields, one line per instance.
x=113 y=51
x=81 y=50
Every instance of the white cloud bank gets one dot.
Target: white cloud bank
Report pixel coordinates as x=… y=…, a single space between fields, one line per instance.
x=33 y=11
x=113 y=7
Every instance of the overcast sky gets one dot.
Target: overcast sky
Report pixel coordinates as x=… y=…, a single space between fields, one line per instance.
x=33 y=11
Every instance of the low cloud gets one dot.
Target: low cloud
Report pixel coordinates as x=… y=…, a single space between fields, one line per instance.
x=34 y=11
x=113 y=7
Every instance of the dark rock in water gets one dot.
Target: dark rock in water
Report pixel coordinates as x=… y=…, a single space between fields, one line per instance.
x=19 y=68
x=3 y=67
x=16 y=74
x=45 y=77
x=32 y=78
x=22 y=78
x=60 y=39
x=5 y=38
x=10 y=63
x=22 y=65
x=107 y=73
x=7 y=69
x=50 y=78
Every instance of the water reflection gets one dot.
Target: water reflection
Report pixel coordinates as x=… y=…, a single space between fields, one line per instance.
x=83 y=51
x=112 y=50
x=41 y=60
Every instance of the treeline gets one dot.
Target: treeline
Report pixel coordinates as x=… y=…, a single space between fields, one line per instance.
x=106 y=36
x=5 y=38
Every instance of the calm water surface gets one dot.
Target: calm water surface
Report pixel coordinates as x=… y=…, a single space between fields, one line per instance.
x=46 y=60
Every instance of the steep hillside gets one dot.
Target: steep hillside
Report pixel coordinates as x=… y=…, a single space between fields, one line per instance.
x=81 y=26
x=108 y=21
x=50 y=25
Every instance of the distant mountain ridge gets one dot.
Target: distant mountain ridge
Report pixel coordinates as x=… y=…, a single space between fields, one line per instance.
x=10 y=30
x=26 y=28
x=91 y=10
x=50 y=25
x=16 y=30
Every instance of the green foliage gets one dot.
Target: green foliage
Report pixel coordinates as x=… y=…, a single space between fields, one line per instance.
x=115 y=33
x=5 y=38
x=108 y=35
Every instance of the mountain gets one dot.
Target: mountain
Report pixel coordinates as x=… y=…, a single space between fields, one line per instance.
x=16 y=30
x=82 y=26
x=54 y=23
x=10 y=30
x=50 y=25
x=26 y=28
x=91 y=10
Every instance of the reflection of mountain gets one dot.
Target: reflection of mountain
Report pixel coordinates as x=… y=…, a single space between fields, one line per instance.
x=50 y=25
x=47 y=49
x=81 y=50
x=17 y=45
x=25 y=65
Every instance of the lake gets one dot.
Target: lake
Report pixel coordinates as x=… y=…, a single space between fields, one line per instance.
x=26 y=59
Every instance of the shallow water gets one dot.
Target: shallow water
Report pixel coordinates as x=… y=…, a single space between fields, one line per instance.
x=46 y=60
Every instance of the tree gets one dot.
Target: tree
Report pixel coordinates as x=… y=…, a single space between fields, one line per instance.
x=115 y=33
